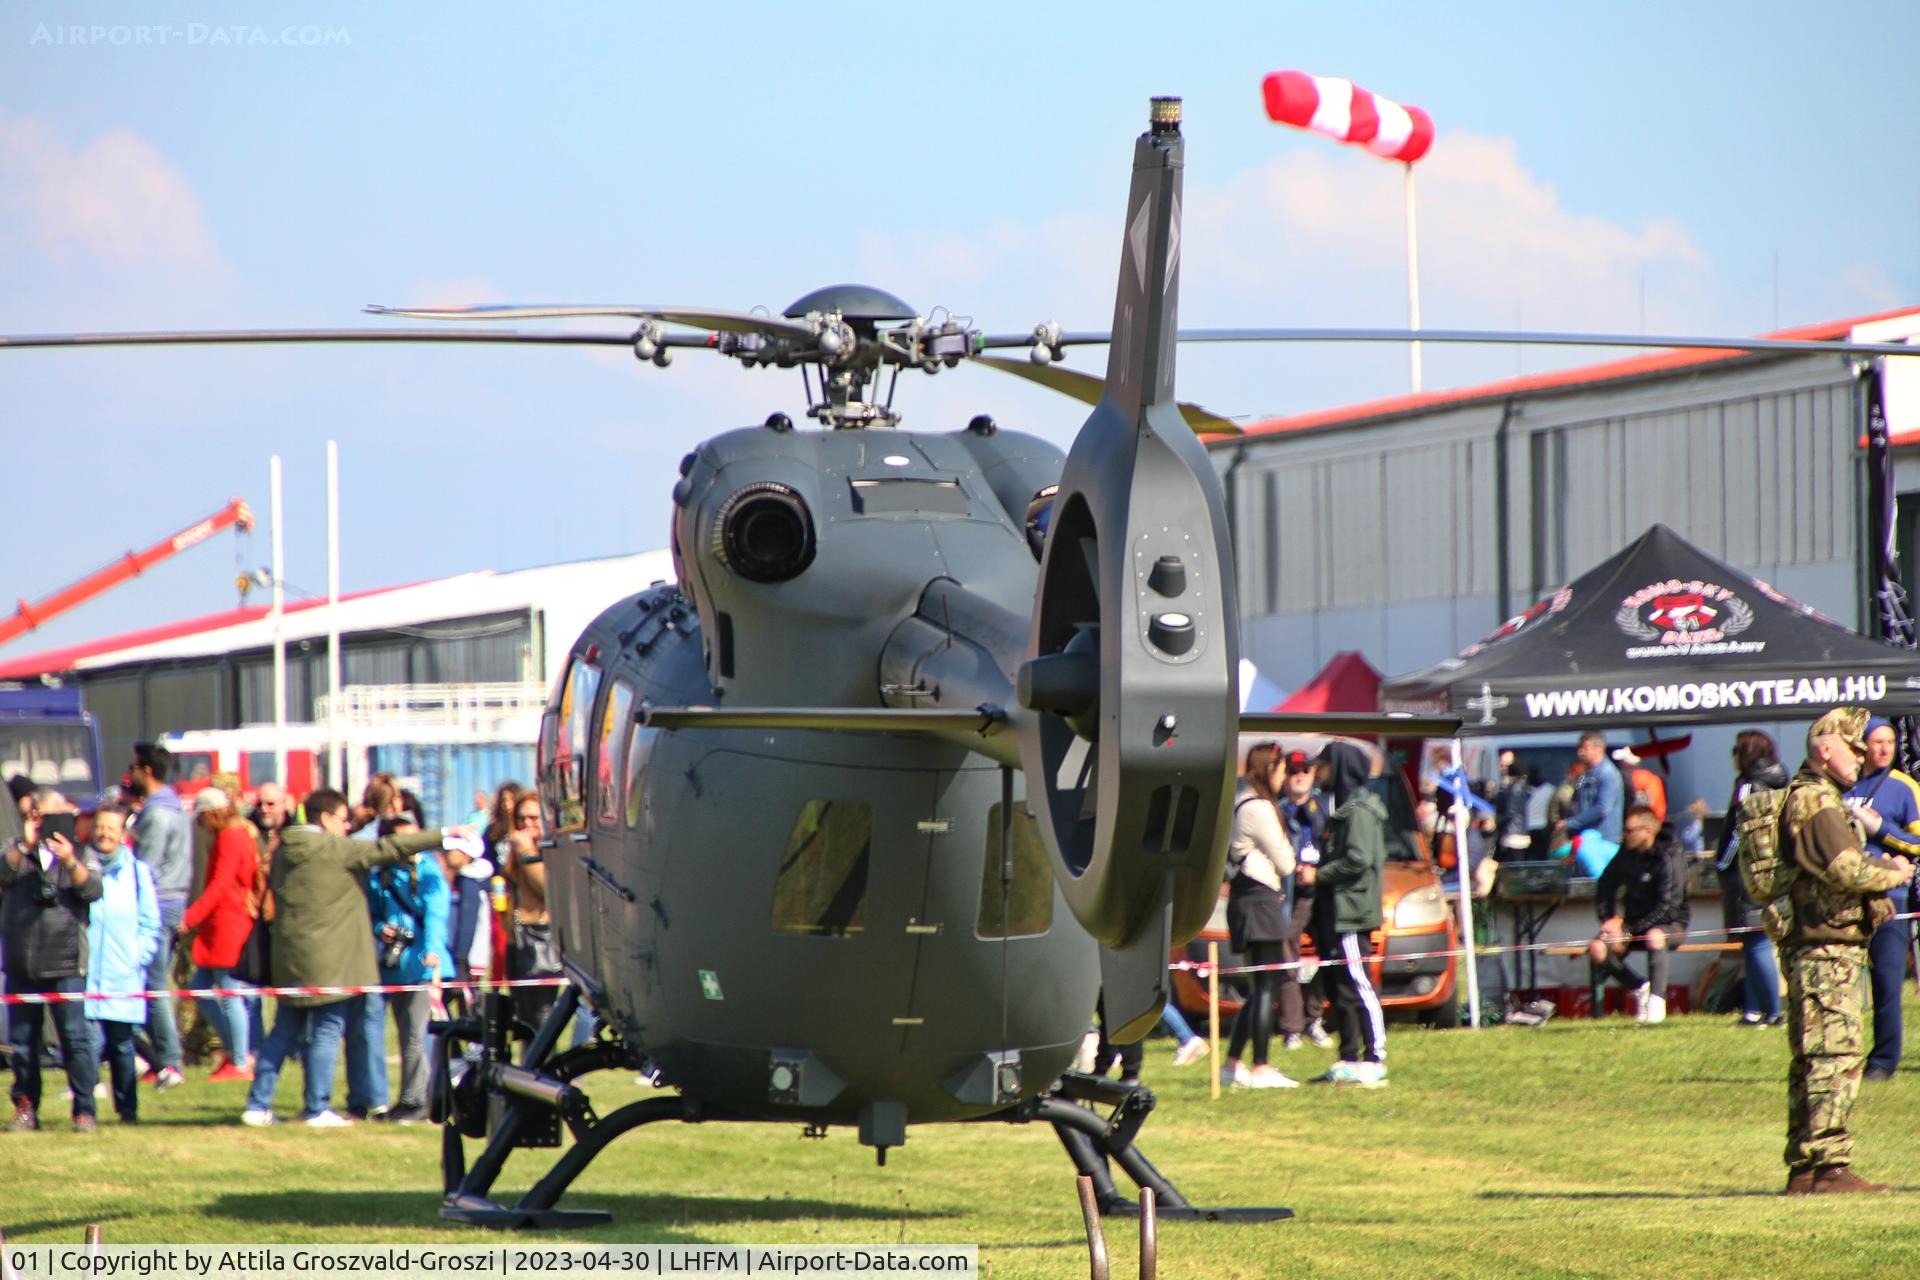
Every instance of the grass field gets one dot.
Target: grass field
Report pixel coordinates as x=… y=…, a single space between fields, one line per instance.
x=1576 y=1149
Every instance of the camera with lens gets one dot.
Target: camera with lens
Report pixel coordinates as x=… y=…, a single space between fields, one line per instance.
x=396 y=949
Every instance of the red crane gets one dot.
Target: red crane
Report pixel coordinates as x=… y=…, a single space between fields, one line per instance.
x=28 y=616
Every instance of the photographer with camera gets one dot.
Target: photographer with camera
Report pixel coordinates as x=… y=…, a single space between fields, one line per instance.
x=48 y=883
x=409 y=905
x=322 y=937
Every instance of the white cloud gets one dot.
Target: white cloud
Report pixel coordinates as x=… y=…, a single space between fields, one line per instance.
x=1317 y=236
x=115 y=201
x=1321 y=234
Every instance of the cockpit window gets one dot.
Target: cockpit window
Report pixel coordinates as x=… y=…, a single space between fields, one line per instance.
x=821 y=888
x=570 y=763
x=606 y=775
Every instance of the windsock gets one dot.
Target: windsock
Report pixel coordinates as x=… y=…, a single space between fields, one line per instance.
x=1345 y=112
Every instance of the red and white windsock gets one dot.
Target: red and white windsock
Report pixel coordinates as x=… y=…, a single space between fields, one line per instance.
x=1345 y=112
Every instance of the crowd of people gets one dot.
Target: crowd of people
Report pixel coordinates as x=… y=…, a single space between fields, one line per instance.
x=325 y=897
x=1307 y=846
x=1304 y=859
x=250 y=891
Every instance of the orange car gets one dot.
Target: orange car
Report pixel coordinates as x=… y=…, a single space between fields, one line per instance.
x=1418 y=920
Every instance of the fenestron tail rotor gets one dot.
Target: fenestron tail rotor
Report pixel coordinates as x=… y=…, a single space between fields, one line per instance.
x=1134 y=648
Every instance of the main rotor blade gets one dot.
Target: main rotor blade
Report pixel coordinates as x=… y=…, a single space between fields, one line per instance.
x=1087 y=388
x=1392 y=725
x=191 y=336
x=1492 y=337
x=694 y=317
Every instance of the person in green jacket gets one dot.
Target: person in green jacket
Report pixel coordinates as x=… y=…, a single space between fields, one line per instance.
x=322 y=937
x=1346 y=909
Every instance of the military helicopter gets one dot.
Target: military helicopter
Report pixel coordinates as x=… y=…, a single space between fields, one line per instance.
x=929 y=746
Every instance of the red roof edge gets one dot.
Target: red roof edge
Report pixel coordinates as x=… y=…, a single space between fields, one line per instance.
x=1584 y=375
x=60 y=661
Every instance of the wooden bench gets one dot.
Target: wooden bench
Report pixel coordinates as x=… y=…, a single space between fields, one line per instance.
x=1596 y=981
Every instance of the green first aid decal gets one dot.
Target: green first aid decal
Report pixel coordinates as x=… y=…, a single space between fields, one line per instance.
x=710 y=985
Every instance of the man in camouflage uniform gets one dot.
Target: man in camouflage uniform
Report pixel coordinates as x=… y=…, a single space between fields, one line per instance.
x=1823 y=926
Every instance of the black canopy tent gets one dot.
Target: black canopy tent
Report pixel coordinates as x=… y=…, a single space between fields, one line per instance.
x=1662 y=633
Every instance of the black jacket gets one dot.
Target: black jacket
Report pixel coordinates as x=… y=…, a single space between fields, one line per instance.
x=45 y=939
x=1650 y=888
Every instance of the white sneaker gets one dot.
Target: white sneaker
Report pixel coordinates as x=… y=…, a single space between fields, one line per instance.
x=258 y=1117
x=1370 y=1075
x=1318 y=1034
x=1235 y=1076
x=328 y=1120
x=1342 y=1072
x=1268 y=1078
x=1653 y=1009
x=1292 y=1043
x=1641 y=994
x=1192 y=1051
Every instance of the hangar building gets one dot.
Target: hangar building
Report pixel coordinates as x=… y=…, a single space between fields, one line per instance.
x=488 y=642
x=1407 y=528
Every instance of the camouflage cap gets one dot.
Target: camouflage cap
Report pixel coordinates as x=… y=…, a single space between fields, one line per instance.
x=1843 y=722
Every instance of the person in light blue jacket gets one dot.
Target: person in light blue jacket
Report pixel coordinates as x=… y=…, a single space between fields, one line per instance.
x=123 y=933
x=409 y=906
x=1599 y=807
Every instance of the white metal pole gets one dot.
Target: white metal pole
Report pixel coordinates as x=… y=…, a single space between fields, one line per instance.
x=336 y=775
x=1413 y=281
x=1462 y=865
x=279 y=638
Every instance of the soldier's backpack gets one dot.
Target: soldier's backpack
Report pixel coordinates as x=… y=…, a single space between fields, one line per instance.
x=1766 y=870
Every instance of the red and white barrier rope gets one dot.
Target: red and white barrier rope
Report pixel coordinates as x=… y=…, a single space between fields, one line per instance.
x=218 y=993
x=1199 y=967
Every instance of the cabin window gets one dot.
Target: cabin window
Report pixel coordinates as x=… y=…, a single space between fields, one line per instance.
x=570 y=767
x=821 y=888
x=546 y=768
x=639 y=747
x=607 y=776
x=1024 y=905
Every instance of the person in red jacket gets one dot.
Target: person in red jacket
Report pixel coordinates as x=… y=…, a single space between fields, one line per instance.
x=220 y=920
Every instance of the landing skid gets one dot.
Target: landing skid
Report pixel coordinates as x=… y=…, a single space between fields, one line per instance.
x=1090 y=1140
x=525 y=1104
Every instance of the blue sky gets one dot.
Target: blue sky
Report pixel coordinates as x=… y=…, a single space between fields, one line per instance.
x=1606 y=167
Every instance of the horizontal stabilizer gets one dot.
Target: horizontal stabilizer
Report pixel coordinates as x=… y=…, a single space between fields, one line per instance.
x=1360 y=724
x=854 y=719
x=1088 y=389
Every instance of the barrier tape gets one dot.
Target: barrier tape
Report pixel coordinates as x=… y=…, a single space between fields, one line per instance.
x=1199 y=968
x=220 y=993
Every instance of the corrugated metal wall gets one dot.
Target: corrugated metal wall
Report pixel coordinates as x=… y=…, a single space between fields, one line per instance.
x=1757 y=466
x=1762 y=481
x=450 y=774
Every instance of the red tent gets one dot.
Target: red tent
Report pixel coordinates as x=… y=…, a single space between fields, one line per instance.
x=1347 y=683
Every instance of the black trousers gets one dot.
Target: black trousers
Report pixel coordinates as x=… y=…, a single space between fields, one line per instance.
x=1356 y=1006
x=76 y=1037
x=117 y=1051
x=1254 y=1022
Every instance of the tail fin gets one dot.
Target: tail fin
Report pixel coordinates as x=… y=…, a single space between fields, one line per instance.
x=1133 y=653
x=1146 y=304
